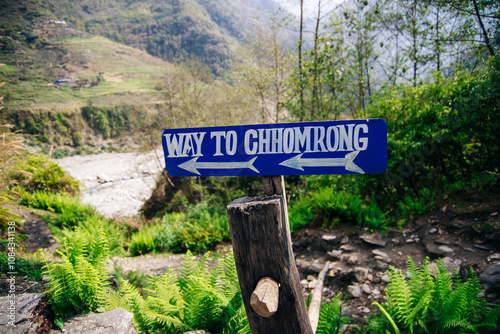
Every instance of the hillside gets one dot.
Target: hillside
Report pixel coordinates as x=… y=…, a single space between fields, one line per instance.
x=87 y=67
x=173 y=30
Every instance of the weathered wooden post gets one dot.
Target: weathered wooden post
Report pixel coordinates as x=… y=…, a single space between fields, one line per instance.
x=260 y=233
x=262 y=248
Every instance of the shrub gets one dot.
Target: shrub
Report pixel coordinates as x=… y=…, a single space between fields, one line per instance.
x=193 y=299
x=42 y=174
x=24 y=266
x=70 y=210
x=79 y=283
x=439 y=304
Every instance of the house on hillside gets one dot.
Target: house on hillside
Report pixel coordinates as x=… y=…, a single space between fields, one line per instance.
x=64 y=81
x=63 y=22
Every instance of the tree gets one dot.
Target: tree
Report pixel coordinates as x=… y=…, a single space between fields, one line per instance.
x=264 y=67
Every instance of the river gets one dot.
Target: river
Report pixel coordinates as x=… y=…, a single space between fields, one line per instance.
x=116 y=184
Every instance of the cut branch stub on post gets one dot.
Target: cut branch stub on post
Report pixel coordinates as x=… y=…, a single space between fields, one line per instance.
x=265 y=297
x=262 y=248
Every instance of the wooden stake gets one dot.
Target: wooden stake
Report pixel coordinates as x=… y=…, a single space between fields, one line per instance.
x=315 y=305
x=262 y=248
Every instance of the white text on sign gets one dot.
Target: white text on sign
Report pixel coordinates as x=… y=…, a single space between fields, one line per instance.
x=309 y=139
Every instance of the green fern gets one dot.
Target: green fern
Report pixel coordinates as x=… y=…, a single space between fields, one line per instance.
x=79 y=283
x=330 y=317
x=440 y=304
x=196 y=297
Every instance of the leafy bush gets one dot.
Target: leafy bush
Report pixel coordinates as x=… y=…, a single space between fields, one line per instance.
x=326 y=207
x=193 y=299
x=199 y=228
x=330 y=317
x=70 y=210
x=79 y=283
x=42 y=174
x=24 y=266
x=440 y=304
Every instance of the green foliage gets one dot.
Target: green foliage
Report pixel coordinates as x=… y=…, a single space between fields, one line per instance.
x=330 y=317
x=29 y=267
x=39 y=173
x=435 y=304
x=70 y=210
x=198 y=228
x=79 y=283
x=326 y=207
x=194 y=298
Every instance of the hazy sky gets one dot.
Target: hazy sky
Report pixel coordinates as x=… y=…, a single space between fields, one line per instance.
x=310 y=6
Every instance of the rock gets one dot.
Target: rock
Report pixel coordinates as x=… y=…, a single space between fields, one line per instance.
x=376 y=293
x=491 y=276
x=383 y=259
x=197 y=332
x=482 y=247
x=433 y=230
x=312 y=284
x=366 y=289
x=493 y=257
x=373 y=239
x=385 y=278
x=410 y=241
x=348 y=248
x=336 y=254
x=379 y=253
x=450 y=264
x=445 y=249
x=354 y=291
x=380 y=265
x=316 y=266
x=329 y=237
x=359 y=273
x=344 y=240
x=30 y=313
x=117 y=321
x=304 y=283
x=352 y=260
x=310 y=278
x=366 y=310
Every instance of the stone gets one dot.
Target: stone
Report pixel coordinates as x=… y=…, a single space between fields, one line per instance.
x=493 y=257
x=385 y=278
x=373 y=239
x=304 y=283
x=352 y=260
x=344 y=240
x=366 y=289
x=380 y=253
x=312 y=284
x=336 y=254
x=117 y=321
x=450 y=264
x=445 y=249
x=366 y=310
x=354 y=291
x=347 y=248
x=316 y=266
x=196 y=332
x=380 y=265
x=360 y=273
x=310 y=278
x=433 y=230
x=383 y=259
x=31 y=314
x=329 y=237
x=491 y=276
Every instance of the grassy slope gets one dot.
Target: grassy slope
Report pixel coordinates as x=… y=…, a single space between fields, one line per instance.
x=128 y=73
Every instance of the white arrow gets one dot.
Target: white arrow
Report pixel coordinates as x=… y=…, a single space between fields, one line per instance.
x=193 y=166
x=298 y=163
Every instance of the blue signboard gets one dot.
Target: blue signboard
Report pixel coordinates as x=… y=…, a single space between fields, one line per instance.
x=307 y=148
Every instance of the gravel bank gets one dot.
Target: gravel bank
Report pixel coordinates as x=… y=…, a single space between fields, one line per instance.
x=116 y=184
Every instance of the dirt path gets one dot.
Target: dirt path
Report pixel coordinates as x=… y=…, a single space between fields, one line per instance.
x=116 y=184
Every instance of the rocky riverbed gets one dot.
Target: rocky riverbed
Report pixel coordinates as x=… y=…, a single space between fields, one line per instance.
x=116 y=184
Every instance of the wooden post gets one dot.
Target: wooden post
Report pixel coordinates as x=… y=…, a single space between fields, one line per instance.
x=262 y=249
